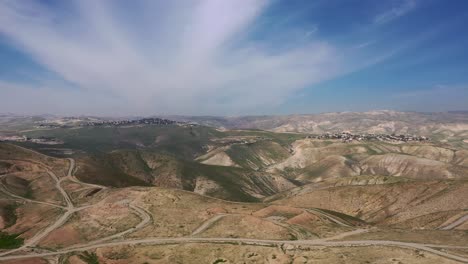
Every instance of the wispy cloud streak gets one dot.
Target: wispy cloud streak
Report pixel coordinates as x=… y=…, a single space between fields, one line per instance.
x=399 y=8
x=191 y=58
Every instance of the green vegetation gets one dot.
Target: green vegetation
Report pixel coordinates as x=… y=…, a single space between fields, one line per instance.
x=257 y=155
x=185 y=142
x=130 y=168
x=284 y=139
x=345 y=217
x=5 y=167
x=313 y=171
x=8 y=241
x=109 y=173
x=9 y=212
x=29 y=193
x=89 y=258
x=232 y=180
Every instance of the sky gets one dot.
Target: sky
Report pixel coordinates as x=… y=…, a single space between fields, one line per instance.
x=231 y=57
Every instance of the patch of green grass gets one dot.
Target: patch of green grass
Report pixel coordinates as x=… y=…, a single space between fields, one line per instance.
x=345 y=217
x=370 y=150
x=313 y=171
x=184 y=142
x=29 y=193
x=257 y=153
x=8 y=241
x=230 y=179
x=10 y=214
x=284 y=139
x=129 y=168
x=89 y=258
x=287 y=215
x=101 y=169
x=5 y=166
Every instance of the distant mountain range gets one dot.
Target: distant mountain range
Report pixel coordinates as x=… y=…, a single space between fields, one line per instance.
x=440 y=125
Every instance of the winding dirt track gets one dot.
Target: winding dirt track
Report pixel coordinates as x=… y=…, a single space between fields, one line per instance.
x=69 y=210
x=254 y=242
x=5 y=190
x=72 y=177
x=207 y=224
x=456 y=223
x=330 y=217
x=146 y=218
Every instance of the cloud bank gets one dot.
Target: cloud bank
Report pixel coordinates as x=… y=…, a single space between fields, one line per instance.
x=145 y=57
x=194 y=57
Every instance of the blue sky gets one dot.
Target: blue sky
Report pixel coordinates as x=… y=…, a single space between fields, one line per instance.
x=229 y=57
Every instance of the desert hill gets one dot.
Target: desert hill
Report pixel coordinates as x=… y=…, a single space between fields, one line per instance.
x=133 y=193
x=128 y=224
x=443 y=125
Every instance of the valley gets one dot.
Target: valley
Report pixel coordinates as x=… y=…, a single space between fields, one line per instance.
x=233 y=132
x=175 y=193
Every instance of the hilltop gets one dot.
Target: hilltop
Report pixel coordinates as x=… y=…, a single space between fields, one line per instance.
x=262 y=196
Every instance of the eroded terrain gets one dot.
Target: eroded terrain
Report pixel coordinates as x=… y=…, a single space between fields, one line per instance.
x=183 y=194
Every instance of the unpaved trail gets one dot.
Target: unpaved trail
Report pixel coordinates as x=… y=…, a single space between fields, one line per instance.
x=70 y=209
x=145 y=220
x=58 y=185
x=456 y=223
x=5 y=190
x=207 y=224
x=255 y=242
x=346 y=234
x=330 y=217
x=146 y=217
x=72 y=177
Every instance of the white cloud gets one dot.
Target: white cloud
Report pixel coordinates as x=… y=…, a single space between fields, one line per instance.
x=400 y=8
x=364 y=45
x=311 y=31
x=191 y=58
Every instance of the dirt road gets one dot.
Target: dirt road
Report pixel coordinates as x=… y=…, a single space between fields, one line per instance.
x=456 y=223
x=146 y=218
x=69 y=210
x=254 y=242
x=208 y=223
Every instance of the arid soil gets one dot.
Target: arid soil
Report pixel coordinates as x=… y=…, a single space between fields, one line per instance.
x=363 y=218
